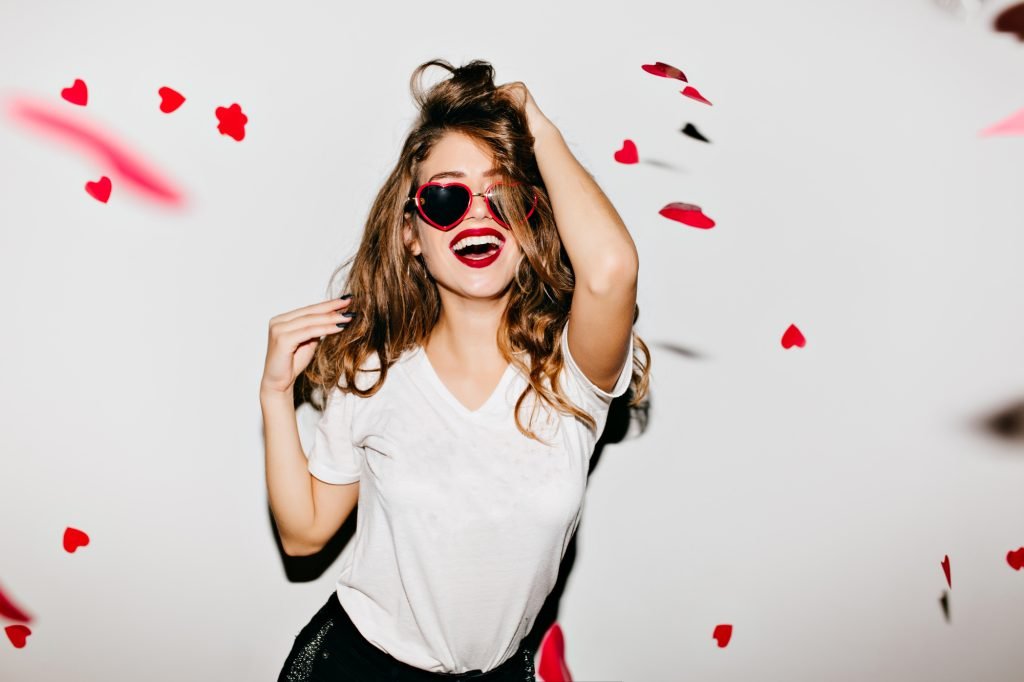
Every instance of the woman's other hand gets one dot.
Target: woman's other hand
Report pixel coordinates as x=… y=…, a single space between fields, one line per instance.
x=293 y=337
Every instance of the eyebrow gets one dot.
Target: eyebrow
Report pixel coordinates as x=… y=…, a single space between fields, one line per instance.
x=460 y=174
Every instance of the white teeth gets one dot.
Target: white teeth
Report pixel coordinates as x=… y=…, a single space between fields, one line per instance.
x=470 y=241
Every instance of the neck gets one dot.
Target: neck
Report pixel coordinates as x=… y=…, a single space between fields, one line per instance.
x=466 y=333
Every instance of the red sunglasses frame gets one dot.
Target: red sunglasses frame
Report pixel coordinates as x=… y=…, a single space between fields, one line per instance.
x=469 y=204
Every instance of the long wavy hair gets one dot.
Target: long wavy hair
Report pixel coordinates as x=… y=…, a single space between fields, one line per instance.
x=397 y=298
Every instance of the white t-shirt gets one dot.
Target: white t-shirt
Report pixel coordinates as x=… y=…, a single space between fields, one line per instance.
x=462 y=520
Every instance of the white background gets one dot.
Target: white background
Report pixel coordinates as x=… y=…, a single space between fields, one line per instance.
x=805 y=496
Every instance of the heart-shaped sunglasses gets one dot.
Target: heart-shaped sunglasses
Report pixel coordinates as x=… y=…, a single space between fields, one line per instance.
x=444 y=205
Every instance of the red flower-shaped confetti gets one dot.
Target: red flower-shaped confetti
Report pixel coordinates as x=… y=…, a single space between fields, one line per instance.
x=232 y=121
x=77 y=93
x=17 y=634
x=551 y=665
x=688 y=214
x=10 y=611
x=692 y=93
x=170 y=99
x=793 y=337
x=722 y=633
x=73 y=539
x=664 y=70
x=1015 y=558
x=945 y=569
x=628 y=153
x=100 y=190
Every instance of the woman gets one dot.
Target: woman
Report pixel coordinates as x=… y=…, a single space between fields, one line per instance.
x=485 y=240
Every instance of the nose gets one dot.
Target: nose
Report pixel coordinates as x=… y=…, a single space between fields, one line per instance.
x=478 y=207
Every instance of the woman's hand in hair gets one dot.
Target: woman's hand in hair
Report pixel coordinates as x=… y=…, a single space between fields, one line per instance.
x=294 y=336
x=520 y=94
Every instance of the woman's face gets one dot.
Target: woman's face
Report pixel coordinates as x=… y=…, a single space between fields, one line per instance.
x=458 y=158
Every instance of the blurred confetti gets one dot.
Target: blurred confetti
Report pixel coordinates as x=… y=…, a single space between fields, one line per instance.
x=691 y=130
x=10 y=611
x=1011 y=20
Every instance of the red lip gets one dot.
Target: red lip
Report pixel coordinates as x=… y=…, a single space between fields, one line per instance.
x=476 y=232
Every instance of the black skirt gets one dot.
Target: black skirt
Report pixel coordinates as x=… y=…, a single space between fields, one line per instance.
x=331 y=649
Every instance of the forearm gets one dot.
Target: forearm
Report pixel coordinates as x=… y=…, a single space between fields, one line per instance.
x=289 y=483
x=596 y=240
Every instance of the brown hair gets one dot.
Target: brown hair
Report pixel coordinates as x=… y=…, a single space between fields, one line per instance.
x=396 y=296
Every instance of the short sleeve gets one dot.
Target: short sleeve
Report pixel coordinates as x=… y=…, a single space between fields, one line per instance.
x=332 y=457
x=589 y=396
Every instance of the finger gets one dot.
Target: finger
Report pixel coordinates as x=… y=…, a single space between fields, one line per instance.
x=312 y=322
x=315 y=308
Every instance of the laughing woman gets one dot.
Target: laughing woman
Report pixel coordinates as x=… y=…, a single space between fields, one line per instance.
x=494 y=280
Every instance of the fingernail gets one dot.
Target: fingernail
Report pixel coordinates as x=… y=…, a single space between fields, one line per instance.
x=350 y=313
x=342 y=325
x=345 y=297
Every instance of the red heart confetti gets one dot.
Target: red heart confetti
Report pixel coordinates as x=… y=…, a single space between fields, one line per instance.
x=232 y=121
x=551 y=665
x=77 y=93
x=692 y=93
x=17 y=634
x=170 y=99
x=945 y=569
x=688 y=214
x=74 y=538
x=10 y=611
x=664 y=70
x=628 y=153
x=100 y=190
x=1015 y=558
x=723 y=633
x=793 y=337
x=1012 y=125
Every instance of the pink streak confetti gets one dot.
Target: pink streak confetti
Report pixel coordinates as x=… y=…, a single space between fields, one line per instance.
x=131 y=170
x=1012 y=125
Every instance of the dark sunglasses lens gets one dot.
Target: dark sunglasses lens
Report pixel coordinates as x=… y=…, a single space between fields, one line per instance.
x=502 y=196
x=444 y=205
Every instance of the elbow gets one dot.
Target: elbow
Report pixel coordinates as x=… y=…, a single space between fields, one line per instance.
x=294 y=547
x=618 y=273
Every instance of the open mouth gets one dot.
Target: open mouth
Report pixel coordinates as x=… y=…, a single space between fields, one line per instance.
x=477 y=247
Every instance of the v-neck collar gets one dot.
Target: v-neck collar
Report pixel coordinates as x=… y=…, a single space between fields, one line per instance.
x=488 y=407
